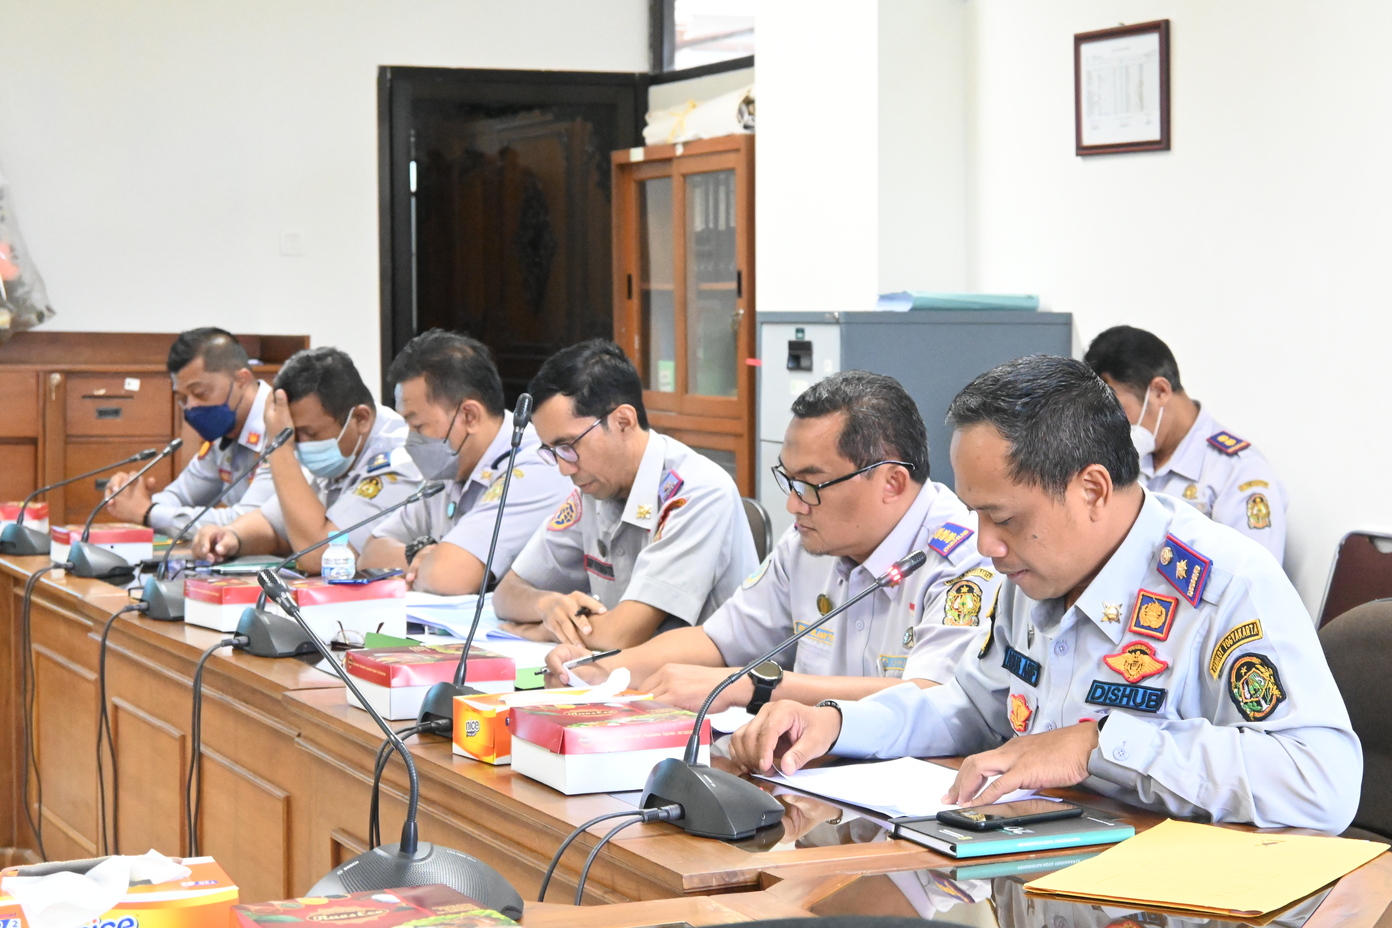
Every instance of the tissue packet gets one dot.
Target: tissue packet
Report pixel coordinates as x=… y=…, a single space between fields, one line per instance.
x=203 y=899
x=434 y=905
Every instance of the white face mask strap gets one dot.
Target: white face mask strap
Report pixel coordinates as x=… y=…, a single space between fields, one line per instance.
x=1145 y=401
x=341 y=432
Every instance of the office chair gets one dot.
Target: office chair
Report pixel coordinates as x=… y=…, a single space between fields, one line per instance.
x=1358 y=645
x=760 y=525
x=1361 y=573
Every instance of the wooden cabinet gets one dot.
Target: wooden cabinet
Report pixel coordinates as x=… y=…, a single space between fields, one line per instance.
x=76 y=400
x=684 y=291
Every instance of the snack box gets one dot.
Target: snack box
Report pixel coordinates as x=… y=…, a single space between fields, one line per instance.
x=483 y=723
x=395 y=680
x=204 y=899
x=434 y=905
x=604 y=747
x=218 y=602
x=134 y=543
x=35 y=515
x=329 y=608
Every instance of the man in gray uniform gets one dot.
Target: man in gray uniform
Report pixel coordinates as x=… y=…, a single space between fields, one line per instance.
x=225 y=404
x=854 y=464
x=1138 y=647
x=654 y=535
x=1184 y=451
x=451 y=396
x=352 y=449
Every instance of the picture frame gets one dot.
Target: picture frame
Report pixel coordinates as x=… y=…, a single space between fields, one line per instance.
x=1121 y=89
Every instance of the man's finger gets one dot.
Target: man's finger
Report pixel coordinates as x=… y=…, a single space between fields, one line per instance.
x=590 y=603
x=1005 y=783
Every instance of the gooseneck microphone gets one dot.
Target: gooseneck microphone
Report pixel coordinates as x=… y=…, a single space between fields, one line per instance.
x=270 y=635
x=166 y=597
x=91 y=560
x=19 y=539
x=716 y=804
x=437 y=708
x=411 y=862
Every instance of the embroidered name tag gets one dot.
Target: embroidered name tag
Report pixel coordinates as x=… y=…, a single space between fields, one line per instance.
x=1021 y=666
x=599 y=568
x=1126 y=696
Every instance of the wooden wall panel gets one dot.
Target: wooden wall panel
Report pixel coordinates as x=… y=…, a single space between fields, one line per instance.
x=65 y=701
x=151 y=757
x=245 y=824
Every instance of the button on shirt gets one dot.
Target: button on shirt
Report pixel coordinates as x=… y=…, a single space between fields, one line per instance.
x=463 y=515
x=1224 y=708
x=679 y=543
x=382 y=474
x=917 y=630
x=215 y=465
x=1237 y=489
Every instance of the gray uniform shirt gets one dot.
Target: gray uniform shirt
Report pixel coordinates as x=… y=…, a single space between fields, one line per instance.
x=917 y=630
x=1199 y=653
x=464 y=514
x=213 y=468
x=1226 y=479
x=382 y=474
x=679 y=543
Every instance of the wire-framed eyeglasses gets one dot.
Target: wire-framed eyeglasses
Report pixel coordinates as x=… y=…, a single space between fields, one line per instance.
x=565 y=451
x=811 y=493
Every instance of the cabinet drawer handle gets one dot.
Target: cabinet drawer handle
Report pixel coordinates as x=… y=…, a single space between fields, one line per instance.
x=108 y=412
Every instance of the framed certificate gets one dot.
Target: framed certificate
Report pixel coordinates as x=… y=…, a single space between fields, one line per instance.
x=1121 y=89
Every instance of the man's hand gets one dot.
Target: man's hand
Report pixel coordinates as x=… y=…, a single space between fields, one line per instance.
x=531 y=631
x=566 y=615
x=1054 y=758
x=591 y=674
x=216 y=543
x=686 y=686
x=414 y=567
x=131 y=505
x=278 y=416
x=787 y=732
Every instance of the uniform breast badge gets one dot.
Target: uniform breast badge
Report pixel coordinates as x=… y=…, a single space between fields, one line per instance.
x=1153 y=615
x=1135 y=662
x=963 y=604
x=1111 y=612
x=1020 y=713
x=1258 y=511
x=369 y=488
x=1191 y=492
x=823 y=604
x=909 y=638
x=1255 y=686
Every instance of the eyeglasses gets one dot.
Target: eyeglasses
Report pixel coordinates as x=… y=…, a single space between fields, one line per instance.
x=811 y=493
x=565 y=451
x=348 y=639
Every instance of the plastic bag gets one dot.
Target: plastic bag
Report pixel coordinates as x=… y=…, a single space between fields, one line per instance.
x=23 y=300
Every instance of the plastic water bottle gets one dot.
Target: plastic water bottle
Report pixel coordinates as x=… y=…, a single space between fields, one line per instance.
x=338 y=562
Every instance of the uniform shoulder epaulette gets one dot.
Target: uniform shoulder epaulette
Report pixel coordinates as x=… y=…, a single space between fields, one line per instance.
x=380 y=462
x=1228 y=443
x=949 y=537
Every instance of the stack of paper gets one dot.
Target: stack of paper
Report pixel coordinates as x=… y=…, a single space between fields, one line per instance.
x=903 y=787
x=452 y=616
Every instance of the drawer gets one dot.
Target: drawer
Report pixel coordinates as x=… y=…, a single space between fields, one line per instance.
x=19 y=391
x=84 y=495
x=106 y=404
x=18 y=469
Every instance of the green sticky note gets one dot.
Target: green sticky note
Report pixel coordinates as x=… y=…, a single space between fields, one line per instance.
x=530 y=678
x=378 y=640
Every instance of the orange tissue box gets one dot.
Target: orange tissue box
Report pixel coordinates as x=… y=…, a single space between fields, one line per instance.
x=204 y=899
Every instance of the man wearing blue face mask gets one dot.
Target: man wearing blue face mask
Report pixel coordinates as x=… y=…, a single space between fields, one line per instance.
x=351 y=448
x=224 y=403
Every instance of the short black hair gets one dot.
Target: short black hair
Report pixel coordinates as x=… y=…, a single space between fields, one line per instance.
x=328 y=374
x=882 y=420
x=1133 y=357
x=218 y=348
x=455 y=367
x=596 y=375
x=1058 y=416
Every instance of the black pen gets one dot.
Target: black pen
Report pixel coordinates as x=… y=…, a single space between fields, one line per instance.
x=596 y=656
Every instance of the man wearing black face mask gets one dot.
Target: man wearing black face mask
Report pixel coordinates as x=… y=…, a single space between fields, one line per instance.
x=451 y=396
x=225 y=404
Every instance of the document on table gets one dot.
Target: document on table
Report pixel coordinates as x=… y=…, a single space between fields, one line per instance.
x=902 y=787
x=1210 y=869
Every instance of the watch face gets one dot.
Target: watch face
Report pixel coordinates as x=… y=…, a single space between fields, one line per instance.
x=768 y=670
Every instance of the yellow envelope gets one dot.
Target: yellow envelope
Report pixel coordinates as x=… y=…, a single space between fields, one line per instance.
x=1210 y=869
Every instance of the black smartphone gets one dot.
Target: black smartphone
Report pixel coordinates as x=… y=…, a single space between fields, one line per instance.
x=371 y=575
x=1008 y=814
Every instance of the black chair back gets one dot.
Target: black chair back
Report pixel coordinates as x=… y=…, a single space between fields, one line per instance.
x=1358 y=647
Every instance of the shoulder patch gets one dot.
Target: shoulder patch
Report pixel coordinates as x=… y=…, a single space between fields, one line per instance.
x=672 y=507
x=204 y=449
x=1252 y=485
x=1228 y=443
x=368 y=488
x=1255 y=687
x=567 y=515
x=380 y=461
x=753 y=579
x=949 y=538
x=963 y=603
x=1184 y=568
x=1245 y=633
x=1258 y=511
x=669 y=487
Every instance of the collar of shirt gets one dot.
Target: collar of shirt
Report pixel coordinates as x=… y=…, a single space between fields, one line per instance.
x=1188 y=458
x=1119 y=579
x=495 y=455
x=642 y=506
x=898 y=543
x=254 y=432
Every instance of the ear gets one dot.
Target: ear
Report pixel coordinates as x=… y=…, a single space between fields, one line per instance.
x=896 y=483
x=243 y=376
x=472 y=414
x=1160 y=386
x=624 y=418
x=1094 y=483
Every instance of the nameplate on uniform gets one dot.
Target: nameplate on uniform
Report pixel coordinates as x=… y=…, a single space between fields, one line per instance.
x=949 y=537
x=1184 y=568
x=1228 y=443
x=1126 y=696
x=1021 y=666
x=599 y=568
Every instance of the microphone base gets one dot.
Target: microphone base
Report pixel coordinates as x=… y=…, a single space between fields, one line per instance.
x=385 y=867
x=272 y=635
x=438 y=704
x=98 y=563
x=715 y=804
x=22 y=541
x=165 y=599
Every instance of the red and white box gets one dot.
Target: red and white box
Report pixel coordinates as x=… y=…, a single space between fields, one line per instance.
x=600 y=747
x=394 y=681
x=218 y=602
x=35 y=515
x=330 y=609
x=133 y=543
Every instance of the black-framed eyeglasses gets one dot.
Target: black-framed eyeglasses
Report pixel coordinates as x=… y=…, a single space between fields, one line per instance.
x=811 y=493
x=565 y=451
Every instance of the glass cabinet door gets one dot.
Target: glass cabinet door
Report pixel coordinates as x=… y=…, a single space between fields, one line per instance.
x=657 y=284
x=712 y=313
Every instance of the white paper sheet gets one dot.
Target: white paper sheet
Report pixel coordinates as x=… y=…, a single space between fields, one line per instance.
x=904 y=786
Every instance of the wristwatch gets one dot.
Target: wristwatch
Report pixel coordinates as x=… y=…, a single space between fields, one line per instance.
x=833 y=704
x=416 y=546
x=765 y=678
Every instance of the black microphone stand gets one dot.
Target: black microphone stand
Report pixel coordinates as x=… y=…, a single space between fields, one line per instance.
x=21 y=540
x=94 y=561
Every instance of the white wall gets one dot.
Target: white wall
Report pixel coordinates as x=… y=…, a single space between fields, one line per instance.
x=1257 y=248
x=158 y=149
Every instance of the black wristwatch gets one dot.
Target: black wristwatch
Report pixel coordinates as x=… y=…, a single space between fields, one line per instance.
x=766 y=678
x=416 y=546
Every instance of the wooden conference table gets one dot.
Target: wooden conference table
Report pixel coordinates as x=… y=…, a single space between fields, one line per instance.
x=286 y=779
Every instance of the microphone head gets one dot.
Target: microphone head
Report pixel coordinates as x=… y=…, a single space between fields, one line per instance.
x=275 y=588
x=281 y=438
x=523 y=413
x=905 y=566
x=147 y=454
x=432 y=488
x=174 y=445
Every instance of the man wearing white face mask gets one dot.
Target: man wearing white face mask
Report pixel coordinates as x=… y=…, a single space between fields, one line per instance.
x=451 y=396
x=351 y=449
x=1184 y=451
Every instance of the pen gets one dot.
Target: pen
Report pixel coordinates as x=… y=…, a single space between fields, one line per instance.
x=596 y=656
